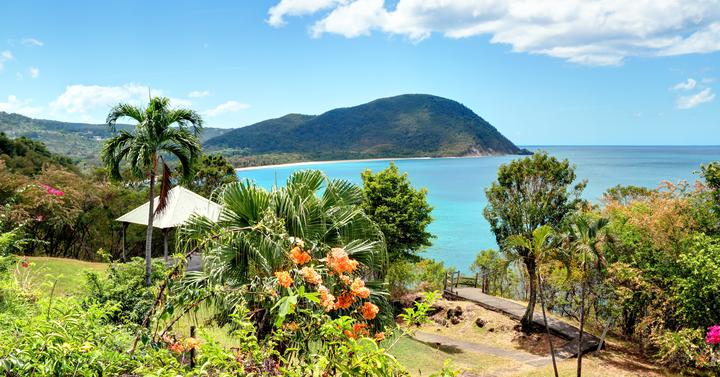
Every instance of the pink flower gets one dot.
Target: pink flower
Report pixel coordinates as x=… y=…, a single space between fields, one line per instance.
x=51 y=190
x=713 y=335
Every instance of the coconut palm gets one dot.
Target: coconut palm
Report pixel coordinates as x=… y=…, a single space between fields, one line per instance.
x=160 y=132
x=587 y=238
x=257 y=228
x=542 y=246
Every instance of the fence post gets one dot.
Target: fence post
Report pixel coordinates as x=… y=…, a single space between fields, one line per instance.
x=445 y=282
x=192 y=350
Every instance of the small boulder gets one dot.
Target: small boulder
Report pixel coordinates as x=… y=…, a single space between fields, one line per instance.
x=458 y=311
x=492 y=329
x=455 y=320
x=480 y=322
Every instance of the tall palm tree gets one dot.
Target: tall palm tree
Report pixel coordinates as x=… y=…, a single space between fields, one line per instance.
x=160 y=132
x=542 y=246
x=587 y=239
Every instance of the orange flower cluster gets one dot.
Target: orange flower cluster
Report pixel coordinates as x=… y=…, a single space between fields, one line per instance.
x=339 y=261
x=358 y=288
x=359 y=329
x=298 y=256
x=192 y=343
x=327 y=300
x=311 y=276
x=176 y=347
x=284 y=278
x=345 y=279
x=369 y=310
x=344 y=301
x=379 y=337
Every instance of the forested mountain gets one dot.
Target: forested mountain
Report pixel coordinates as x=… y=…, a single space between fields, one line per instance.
x=411 y=125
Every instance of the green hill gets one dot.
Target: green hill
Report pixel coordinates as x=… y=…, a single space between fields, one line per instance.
x=79 y=141
x=411 y=125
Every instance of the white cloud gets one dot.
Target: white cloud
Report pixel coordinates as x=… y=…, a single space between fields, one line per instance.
x=685 y=85
x=198 y=94
x=32 y=42
x=227 y=107
x=14 y=105
x=601 y=32
x=688 y=102
x=34 y=72
x=277 y=13
x=80 y=99
x=5 y=56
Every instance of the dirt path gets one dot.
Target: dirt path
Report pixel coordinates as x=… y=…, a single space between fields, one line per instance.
x=516 y=311
x=520 y=357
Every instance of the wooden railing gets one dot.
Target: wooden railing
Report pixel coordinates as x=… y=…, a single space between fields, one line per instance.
x=454 y=279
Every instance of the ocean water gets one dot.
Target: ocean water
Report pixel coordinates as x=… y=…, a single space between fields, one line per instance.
x=456 y=185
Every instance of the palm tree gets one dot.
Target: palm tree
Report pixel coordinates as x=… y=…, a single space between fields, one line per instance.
x=541 y=245
x=257 y=227
x=587 y=238
x=160 y=132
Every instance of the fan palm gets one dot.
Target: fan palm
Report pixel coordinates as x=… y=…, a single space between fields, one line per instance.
x=257 y=227
x=160 y=131
x=542 y=246
x=587 y=238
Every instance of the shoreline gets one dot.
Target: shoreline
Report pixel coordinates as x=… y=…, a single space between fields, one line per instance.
x=289 y=164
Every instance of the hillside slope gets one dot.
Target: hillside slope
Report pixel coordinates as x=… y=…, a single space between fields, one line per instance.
x=79 y=141
x=411 y=125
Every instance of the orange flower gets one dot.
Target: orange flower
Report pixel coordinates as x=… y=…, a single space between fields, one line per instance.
x=358 y=288
x=299 y=256
x=192 y=343
x=327 y=300
x=379 y=337
x=311 y=276
x=344 y=301
x=350 y=334
x=284 y=279
x=359 y=329
x=292 y=326
x=345 y=279
x=369 y=310
x=177 y=347
x=339 y=261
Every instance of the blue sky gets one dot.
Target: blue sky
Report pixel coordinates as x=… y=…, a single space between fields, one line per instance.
x=606 y=74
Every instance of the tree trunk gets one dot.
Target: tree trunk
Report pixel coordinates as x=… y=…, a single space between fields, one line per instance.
x=547 y=328
x=149 y=233
x=526 y=323
x=582 y=324
x=165 y=244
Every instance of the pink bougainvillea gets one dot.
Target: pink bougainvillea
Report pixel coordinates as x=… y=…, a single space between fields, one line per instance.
x=713 y=335
x=52 y=190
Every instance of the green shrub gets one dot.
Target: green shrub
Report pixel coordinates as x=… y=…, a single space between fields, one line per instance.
x=404 y=277
x=124 y=286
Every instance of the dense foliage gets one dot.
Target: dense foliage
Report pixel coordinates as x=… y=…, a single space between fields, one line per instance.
x=401 y=211
x=402 y=126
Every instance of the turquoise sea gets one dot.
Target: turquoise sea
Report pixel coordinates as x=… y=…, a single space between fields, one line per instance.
x=455 y=185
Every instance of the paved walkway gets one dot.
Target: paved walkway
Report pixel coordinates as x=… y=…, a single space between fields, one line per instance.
x=516 y=311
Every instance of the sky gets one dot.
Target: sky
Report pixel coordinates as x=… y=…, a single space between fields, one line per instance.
x=556 y=72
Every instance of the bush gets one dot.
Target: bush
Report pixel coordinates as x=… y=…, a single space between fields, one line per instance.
x=404 y=277
x=124 y=286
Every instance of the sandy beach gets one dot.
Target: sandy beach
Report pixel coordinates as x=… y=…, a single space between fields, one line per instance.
x=332 y=162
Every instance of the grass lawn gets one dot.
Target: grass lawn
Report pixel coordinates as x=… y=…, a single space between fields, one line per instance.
x=422 y=359
x=69 y=273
